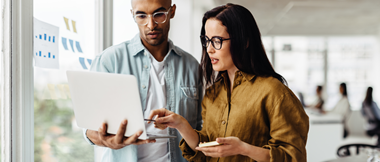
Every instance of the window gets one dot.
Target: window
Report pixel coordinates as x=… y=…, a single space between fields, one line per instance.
x=64 y=38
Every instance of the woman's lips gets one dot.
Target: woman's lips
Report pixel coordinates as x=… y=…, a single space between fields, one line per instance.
x=214 y=60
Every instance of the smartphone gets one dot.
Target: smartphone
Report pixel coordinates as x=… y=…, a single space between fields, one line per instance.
x=209 y=144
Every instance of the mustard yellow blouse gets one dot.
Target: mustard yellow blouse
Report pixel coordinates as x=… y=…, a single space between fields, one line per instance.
x=260 y=111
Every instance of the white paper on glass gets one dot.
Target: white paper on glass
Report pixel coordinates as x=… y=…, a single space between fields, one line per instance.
x=46 y=53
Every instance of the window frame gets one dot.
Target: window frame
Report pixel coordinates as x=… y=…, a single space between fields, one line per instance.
x=17 y=74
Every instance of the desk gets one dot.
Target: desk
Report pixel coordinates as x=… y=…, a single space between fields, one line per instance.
x=325 y=136
x=350 y=159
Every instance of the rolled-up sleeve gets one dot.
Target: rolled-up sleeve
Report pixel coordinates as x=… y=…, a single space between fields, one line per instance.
x=289 y=127
x=188 y=153
x=86 y=138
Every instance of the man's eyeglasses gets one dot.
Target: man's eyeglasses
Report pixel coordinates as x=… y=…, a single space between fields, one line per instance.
x=216 y=41
x=158 y=17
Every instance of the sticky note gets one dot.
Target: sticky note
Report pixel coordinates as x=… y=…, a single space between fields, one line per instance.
x=72 y=44
x=78 y=47
x=74 y=27
x=81 y=60
x=64 y=43
x=62 y=91
x=67 y=90
x=67 y=23
x=51 y=88
x=89 y=61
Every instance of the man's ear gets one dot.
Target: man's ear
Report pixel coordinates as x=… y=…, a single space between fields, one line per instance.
x=131 y=12
x=172 y=11
x=247 y=44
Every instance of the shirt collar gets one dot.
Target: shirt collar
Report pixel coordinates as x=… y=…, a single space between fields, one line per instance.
x=136 y=46
x=247 y=76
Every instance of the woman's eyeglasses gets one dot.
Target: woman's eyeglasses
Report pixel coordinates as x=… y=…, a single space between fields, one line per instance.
x=216 y=41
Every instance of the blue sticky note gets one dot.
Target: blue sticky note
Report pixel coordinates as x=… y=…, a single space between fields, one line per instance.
x=89 y=61
x=78 y=47
x=45 y=36
x=64 y=43
x=53 y=39
x=49 y=38
x=81 y=60
x=40 y=36
x=72 y=44
x=40 y=53
x=49 y=54
x=53 y=56
x=36 y=54
x=36 y=36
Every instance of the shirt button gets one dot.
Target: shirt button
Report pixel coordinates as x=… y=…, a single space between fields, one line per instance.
x=143 y=86
x=223 y=122
x=145 y=53
x=145 y=66
x=238 y=83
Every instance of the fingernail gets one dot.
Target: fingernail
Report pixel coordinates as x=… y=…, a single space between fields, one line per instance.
x=124 y=122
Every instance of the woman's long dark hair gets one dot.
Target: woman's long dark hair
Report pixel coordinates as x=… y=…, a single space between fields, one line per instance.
x=247 y=51
x=368 y=97
x=344 y=87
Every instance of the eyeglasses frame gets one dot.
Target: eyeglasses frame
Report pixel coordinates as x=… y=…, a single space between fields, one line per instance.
x=212 y=42
x=152 y=15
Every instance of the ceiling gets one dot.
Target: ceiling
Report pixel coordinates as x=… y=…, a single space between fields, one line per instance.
x=314 y=17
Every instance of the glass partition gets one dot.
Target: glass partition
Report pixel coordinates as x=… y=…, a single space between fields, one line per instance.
x=64 y=39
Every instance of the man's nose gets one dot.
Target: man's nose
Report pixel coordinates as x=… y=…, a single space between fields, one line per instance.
x=151 y=24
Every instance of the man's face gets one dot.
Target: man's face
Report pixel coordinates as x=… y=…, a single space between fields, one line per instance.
x=152 y=33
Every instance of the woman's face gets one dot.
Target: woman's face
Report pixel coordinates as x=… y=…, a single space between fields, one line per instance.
x=221 y=59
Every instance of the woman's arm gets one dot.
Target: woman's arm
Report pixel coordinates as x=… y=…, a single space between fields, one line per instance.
x=234 y=146
x=170 y=119
x=257 y=153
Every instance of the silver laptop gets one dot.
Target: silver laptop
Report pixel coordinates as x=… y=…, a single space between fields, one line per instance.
x=111 y=98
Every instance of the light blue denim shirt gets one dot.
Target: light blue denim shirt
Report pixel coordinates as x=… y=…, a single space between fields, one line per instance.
x=183 y=88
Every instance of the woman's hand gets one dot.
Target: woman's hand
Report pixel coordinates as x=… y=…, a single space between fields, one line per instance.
x=231 y=146
x=166 y=118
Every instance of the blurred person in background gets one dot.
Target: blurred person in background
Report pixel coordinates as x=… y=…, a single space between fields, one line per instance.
x=247 y=107
x=343 y=106
x=318 y=103
x=371 y=112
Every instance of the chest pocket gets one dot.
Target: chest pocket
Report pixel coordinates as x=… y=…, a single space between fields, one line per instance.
x=189 y=104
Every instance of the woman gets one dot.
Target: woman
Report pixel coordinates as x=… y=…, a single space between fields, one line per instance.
x=371 y=112
x=343 y=107
x=247 y=107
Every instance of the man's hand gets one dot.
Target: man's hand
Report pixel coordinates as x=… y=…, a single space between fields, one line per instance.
x=118 y=141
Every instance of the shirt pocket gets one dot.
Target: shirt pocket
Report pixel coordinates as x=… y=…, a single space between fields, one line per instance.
x=189 y=104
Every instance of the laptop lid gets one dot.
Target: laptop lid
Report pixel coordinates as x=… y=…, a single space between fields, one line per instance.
x=105 y=97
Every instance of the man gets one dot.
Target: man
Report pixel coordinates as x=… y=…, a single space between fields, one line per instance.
x=167 y=76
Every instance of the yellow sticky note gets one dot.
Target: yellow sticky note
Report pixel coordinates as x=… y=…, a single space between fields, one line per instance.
x=67 y=23
x=62 y=91
x=74 y=28
x=67 y=90
x=51 y=88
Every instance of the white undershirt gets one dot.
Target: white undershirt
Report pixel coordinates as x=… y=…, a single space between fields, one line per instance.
x=156 y=98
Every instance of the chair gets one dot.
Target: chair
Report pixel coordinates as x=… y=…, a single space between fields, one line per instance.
x=344 y=151
x=356 y=131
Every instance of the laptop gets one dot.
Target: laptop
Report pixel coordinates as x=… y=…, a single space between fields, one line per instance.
x=104 y=97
